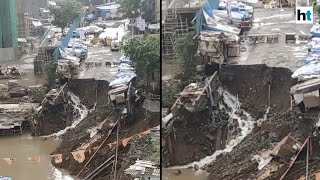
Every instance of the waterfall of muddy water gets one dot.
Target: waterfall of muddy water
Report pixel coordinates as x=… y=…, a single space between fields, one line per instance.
x=79 y=109
x=246 y=125
x=23 y=146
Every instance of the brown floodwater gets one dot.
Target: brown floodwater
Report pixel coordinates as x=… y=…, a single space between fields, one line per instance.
x=23 y=146
x=186 y=174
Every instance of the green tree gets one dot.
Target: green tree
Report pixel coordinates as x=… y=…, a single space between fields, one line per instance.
x=145 y=54
x=134 y=8
x=186 y=49
x=317 y=10
x=131 y=8
x=50 y=74
x=65 y=12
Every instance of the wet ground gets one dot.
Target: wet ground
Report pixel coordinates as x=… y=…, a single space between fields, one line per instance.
x=186 y=174
x=23 y=146
x=281 y=54
x=103 y=72
x=25 y=65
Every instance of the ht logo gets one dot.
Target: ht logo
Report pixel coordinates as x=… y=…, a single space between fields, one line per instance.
x=304 y=15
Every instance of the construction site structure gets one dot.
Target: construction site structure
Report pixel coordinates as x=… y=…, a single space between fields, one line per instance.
x=45 y=54
x=176 y=23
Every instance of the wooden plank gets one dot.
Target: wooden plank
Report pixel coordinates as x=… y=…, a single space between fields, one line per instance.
x=295 y=158
x=307 y=86
x=317 y=175
x=214 y=76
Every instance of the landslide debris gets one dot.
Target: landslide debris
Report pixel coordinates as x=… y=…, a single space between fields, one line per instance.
x=238 y=164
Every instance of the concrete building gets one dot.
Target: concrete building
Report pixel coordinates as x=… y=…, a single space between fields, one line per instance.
x=28 y=9
x=8 y=31
x=32 y=7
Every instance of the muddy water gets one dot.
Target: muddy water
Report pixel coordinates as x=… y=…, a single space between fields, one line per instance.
x=23 y=146
x=186 y=174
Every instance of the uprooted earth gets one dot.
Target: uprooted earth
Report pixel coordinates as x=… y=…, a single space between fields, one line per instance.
x=242 y=125
x=89 y=125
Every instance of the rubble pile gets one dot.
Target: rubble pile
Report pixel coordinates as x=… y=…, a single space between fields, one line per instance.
x=189 y=143
x=240 y=163
x=94 y=128
x=250 y=85
x=55 y=113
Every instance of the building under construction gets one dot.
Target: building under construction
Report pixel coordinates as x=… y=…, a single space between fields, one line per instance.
x=177 y=20
x=8 y=30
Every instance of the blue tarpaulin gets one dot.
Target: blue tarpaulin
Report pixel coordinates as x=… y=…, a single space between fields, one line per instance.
x=208 y=8
x=199 y=22
x=66 y=39
x=69 y=35
x=214 y=4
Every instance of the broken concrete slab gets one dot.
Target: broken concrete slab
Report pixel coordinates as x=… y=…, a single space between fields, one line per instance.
x=306 y=86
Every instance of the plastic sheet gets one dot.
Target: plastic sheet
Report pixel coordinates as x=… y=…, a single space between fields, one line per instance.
x=125 y=60
x=212 y=24
x=122 y=80
x=307 y=71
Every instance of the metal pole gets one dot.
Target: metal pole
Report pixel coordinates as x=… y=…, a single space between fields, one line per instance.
x=291 y=100
x=269 y=96
x=115 y=163
x=307 y=160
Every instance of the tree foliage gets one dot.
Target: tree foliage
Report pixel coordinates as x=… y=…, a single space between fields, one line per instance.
x=50 y=74
x=130 y=8
x=168 y=95
x=65 y=12
x=186 y=49
x=145 y=54
x=317 y=9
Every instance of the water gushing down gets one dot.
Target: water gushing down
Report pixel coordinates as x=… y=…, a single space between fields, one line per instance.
x=57 y=175
x=246 y=125
x=79 y=109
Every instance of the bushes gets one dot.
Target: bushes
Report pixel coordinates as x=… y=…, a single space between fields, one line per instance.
x=50 y=74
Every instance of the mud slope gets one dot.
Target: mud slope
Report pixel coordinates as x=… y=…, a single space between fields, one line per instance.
x=188 y=138
x=194 y=136
x=90 y=91
x=53 y=119
x=77 y=136
x=238 y=163
x=251 y=84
